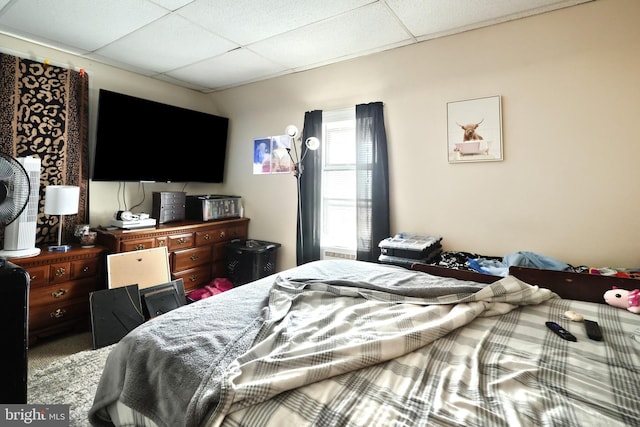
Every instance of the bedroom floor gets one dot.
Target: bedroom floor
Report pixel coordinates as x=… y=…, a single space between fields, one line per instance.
x=44 y=352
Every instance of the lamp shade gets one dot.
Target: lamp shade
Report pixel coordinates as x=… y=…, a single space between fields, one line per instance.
x=291 y=131
x=61 y=199
x=312 y=143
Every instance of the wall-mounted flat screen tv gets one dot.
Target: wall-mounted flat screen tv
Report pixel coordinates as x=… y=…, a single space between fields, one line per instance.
x=142 y=140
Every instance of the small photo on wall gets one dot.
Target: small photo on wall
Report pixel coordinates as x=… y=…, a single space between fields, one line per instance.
x=271 y=155
x=474 y=130
x=262 y=155
x=280 y=160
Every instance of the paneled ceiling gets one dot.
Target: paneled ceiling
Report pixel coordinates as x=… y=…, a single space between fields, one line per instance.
x=209 y=45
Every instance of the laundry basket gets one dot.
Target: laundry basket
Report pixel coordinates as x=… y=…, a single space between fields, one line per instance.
x=249 y=260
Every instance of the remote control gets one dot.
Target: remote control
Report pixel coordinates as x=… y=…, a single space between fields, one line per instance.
x=560 y=331
x=593 y=330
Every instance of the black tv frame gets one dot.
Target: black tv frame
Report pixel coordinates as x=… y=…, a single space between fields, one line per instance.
x=147 y=141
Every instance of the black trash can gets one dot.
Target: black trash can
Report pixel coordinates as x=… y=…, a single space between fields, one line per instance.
x=249 y=260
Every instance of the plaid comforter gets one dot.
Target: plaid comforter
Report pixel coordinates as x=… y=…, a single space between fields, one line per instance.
x=397 y=349
x=335 y=355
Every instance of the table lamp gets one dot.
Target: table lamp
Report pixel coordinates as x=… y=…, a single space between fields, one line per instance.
x=61 y=200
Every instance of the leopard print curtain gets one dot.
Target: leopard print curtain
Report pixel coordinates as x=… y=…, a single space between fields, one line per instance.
x=44 y=112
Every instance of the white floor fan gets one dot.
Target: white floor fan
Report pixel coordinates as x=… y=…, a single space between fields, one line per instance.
x=19 y=187
x=15 y=191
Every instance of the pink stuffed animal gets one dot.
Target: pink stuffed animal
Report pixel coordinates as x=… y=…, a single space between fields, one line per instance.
x=624 y=299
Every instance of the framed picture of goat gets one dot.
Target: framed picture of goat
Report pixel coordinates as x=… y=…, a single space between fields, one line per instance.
x=474 y=130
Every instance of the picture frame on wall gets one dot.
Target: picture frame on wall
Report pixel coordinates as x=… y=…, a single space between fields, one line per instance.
x=474 y=130
x=271 y=155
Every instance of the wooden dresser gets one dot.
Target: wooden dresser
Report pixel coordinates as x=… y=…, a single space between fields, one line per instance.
x=196 y=249
x=59 y=290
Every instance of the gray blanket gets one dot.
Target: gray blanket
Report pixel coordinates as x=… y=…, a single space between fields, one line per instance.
x=170 y=369
x=352 y=344
x=340 y=356
x=319 y=331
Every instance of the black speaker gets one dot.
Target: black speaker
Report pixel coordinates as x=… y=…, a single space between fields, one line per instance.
x=14 y=321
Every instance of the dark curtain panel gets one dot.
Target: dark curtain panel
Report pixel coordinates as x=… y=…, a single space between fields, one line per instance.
x=372 y=180
x=308 y=243
x=44 y=112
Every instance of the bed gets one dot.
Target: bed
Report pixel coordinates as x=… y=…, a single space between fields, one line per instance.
x=349 y=343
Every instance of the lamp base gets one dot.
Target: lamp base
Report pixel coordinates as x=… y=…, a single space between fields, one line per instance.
x=60 y=248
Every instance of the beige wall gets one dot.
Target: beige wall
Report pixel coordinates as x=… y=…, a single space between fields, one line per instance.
x=567 y=187
x=570 y=101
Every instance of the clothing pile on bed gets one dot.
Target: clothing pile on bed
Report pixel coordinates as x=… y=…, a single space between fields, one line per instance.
x=404 y=249
x=499 y=266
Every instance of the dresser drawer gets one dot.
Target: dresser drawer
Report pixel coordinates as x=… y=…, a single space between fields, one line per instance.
x=171 y=215
x=180 y=241
x=189 y=258
x=204 y=237
x=212 y=236
x=194 y=277
x=219 y=251
x=55 y=315
x=85 y=268
x=138 y=245
x=60 y=293
x=59 y=272
x=39 y=275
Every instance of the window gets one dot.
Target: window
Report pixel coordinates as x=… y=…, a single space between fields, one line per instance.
x=338 y=219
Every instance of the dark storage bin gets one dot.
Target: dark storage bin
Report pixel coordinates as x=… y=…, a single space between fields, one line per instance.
x=249 y=260
x=168 y=206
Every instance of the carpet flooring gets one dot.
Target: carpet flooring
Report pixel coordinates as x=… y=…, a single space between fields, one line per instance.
x=41 y=354
x=59 y=374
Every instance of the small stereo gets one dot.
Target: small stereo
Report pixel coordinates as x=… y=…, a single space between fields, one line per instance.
x=213 y=207
x=124 y=216
x=128 y=216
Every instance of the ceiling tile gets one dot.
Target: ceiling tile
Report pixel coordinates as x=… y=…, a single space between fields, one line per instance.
x=445 y=17
x=148 y=47
x=80 y=25
x=239 y=65
x=246 y=21
x=360 y=31
x=172 y=4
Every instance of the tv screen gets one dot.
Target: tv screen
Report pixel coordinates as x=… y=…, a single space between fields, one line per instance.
x=143 y=140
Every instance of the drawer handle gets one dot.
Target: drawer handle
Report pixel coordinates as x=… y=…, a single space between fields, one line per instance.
x=85 y=269
x=58 y=293
x=182 y=241
x=61 y=272
x=58 y=313
x=193 y=278
x=222 y=234
x=206 y=237
x=194 y=257
x=161 y=243
x=139 y=246
x=34 y=277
